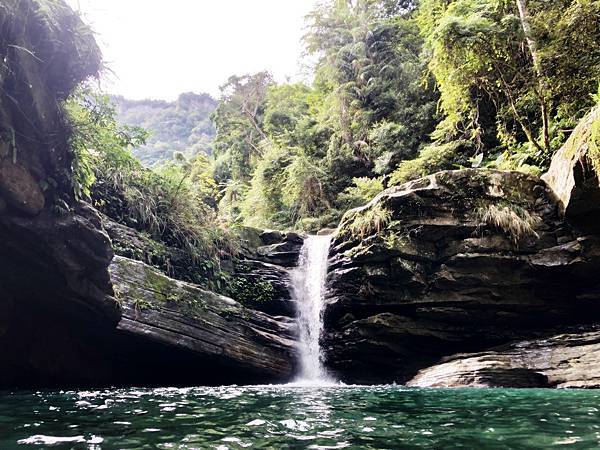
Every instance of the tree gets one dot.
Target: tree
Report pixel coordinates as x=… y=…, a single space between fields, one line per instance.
x=238 y=121
x=494 y=62
x=371 y=60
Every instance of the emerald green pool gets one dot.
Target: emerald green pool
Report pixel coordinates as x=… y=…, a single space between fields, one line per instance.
x=274 y=417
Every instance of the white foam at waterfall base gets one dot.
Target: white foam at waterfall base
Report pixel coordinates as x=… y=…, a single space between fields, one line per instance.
x=308 y=289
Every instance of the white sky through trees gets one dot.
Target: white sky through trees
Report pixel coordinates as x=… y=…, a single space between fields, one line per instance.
x=160 y=48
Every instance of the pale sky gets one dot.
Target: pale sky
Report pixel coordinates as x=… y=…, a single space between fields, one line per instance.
x=160 y=48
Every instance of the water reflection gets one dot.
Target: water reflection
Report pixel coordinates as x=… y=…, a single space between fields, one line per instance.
x=300 y=417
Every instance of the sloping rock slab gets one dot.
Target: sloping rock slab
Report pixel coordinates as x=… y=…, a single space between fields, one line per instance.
x=260 y=277
x=220 y=338
x=563 y=361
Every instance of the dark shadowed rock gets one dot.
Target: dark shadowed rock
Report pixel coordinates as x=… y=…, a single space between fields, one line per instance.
x=165 y=332
x=19 y=188
x=262 y=270
x=236 y=343
x=459 y=261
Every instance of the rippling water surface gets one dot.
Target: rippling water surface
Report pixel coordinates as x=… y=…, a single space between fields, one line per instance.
x=300 y=417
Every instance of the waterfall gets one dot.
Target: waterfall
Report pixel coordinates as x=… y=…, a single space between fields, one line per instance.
x=308 y=289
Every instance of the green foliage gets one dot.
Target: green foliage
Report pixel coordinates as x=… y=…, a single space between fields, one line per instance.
x=516 y=159
x=328 y=219
x=507 y=77
x=286 y=186
x=180 y=126
x=288 y=114
x=247 y=291
x=293 y=150
x=49 y=31
x=362 y=192
x=362 y=222
x=400 y=90
x=432 y=158
x=238 y=121
x=173 y=204
x=97 y=138
x=264 y=203
x=170 y=205
x=303 y=191
x=371 y=69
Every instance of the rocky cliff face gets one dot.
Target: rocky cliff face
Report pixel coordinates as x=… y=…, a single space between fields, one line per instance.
x=261 y=272
x=174 y=332
x=460 y=261
x=258 y=276
x=53 y=254
x=70 y=313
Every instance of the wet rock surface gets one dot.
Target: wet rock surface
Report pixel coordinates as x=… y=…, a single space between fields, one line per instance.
x=437 y=276
x=563 y=361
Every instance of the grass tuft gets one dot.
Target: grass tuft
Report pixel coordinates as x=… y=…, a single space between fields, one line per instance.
x=515 y=221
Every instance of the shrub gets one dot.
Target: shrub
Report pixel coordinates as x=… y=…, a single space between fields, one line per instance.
x=362 y=222
x=172 y=203
x=431 y=159
x=514 y=220
x=362 y=192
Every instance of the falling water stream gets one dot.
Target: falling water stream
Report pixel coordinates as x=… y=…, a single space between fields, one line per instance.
x=314 y=412
x=308 y=288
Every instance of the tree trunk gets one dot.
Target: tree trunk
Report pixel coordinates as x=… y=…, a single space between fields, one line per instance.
x=532 y=45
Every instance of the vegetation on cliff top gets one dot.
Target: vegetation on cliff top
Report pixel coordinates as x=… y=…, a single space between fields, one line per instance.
x=173 y=204
x=400 y=90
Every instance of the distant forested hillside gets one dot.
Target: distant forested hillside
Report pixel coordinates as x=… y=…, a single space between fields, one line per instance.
x=180 y=126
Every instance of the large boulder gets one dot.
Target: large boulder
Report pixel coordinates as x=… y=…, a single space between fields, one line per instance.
x=572 y=175
x=563 y=361
x=459 y=261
